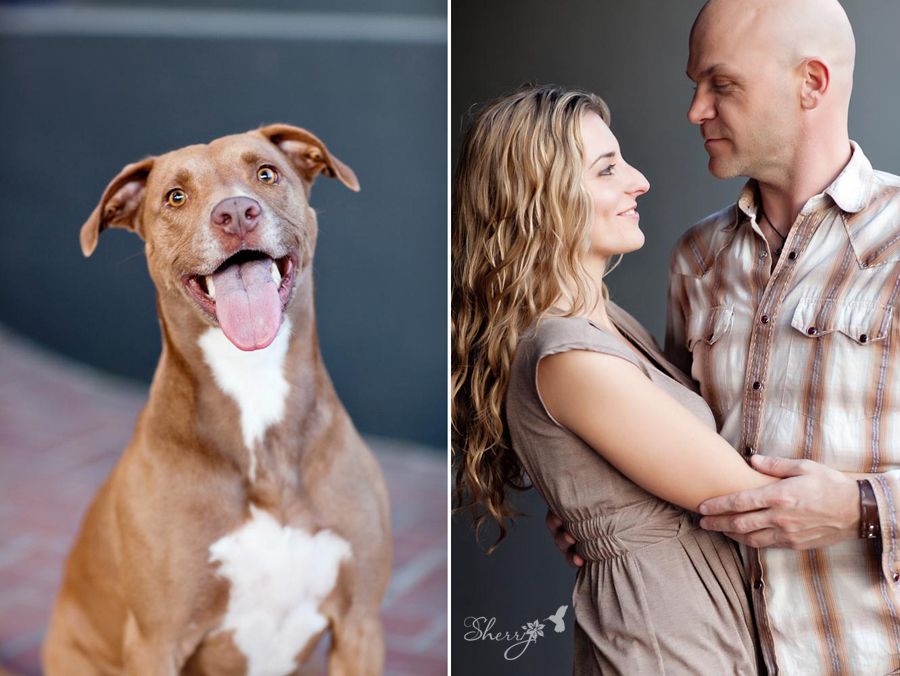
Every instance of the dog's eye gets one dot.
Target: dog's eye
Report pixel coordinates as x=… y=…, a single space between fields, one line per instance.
x=267 y=175
x=176 y=197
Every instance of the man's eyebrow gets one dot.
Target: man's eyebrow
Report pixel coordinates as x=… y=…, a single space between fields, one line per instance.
x=610 y=154
x=710 y=70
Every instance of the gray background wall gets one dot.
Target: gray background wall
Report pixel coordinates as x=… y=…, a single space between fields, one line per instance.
x=633 y=53
x=77 y=107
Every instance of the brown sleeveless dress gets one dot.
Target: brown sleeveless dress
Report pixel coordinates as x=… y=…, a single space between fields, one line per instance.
x=657 y=594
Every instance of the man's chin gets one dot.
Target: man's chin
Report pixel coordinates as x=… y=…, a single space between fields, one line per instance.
x=720 y=168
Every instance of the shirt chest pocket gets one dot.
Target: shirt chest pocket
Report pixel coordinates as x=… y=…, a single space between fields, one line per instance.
x=707 y=326
x=709 y=333
x=839 y=360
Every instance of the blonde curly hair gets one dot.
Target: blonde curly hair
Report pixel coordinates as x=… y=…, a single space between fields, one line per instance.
x=521 y=227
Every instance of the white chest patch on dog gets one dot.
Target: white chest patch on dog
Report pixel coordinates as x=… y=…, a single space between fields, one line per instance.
x=279 y=577
x=255 y=380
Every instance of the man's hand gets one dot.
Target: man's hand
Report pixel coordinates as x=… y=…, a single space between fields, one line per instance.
x=813 y=506
x=563 y=540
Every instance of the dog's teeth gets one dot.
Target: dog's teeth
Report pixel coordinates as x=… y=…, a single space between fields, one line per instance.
x=210 y=287
x=276 y=273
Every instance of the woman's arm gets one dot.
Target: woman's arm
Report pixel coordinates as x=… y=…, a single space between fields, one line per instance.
x=639 y=429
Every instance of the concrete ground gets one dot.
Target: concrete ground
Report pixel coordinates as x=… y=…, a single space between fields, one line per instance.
x=62 y=427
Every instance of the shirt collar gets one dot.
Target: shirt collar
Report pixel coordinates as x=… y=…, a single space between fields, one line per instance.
x=747 y=202
x=851 y=191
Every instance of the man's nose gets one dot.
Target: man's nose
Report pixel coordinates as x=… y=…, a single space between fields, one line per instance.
x=701 y=108
x=236 y=215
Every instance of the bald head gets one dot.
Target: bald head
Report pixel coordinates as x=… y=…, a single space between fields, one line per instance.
x=791 y=30
x=773 y=81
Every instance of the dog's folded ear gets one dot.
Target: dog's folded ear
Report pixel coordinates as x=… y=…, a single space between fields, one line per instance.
x=119 y=206
x=308 y=154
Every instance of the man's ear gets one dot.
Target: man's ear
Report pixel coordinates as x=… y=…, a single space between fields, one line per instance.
x=816 y=80
x=119 y=206
x=308 y=154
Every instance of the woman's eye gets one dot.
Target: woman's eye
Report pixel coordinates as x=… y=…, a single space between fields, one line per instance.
x=267 y=175
x=608 y=171
x=176 y=197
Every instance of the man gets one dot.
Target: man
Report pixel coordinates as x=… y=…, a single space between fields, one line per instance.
x=781 y=308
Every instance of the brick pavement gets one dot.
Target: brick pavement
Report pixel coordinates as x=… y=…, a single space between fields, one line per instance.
x=62 y=426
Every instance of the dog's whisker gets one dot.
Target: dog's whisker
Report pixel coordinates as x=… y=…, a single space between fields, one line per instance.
x=130 y=258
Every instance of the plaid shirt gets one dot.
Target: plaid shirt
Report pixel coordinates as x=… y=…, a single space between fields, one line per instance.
x=803 y=361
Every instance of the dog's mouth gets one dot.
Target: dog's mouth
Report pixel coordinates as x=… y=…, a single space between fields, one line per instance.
x=246 y=296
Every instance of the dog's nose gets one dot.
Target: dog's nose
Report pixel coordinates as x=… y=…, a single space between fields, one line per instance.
x=236 y=215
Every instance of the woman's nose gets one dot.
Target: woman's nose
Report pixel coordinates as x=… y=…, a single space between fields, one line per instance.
x=640 y=184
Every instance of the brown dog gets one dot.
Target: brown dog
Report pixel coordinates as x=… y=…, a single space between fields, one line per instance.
x=246 y=517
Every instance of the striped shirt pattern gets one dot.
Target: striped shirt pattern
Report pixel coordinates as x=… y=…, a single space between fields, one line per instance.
x=803 y=361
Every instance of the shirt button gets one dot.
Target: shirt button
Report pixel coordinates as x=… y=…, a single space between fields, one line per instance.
x=757 y=584
x=757 y=385
x=764 y=254
x=864 y=338
x=764 y=319
x=812 y=330
x=896 y=577
x=792 y=255
x=748 y=450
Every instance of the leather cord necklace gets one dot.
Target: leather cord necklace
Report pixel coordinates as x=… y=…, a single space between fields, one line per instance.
x=772 y=225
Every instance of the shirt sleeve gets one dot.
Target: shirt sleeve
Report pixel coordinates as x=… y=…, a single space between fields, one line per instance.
x=887 y=495
x=676 y=350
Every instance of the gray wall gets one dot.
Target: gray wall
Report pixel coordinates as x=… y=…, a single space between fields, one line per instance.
x=633 y=53
x=77 y=107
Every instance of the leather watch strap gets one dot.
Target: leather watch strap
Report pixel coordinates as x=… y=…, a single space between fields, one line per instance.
x=869 y=525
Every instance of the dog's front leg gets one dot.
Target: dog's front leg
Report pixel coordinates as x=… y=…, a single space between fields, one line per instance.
x=146 y=653
x=357 y=646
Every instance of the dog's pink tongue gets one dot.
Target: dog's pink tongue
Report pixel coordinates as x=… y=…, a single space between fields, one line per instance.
x=247 y=304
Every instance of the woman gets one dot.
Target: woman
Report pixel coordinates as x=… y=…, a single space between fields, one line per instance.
x=553 y=380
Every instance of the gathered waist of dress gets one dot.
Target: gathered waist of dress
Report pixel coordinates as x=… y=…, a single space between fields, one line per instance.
x=609 y=536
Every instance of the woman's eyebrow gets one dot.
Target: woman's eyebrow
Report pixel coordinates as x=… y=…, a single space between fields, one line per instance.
x=611 y=153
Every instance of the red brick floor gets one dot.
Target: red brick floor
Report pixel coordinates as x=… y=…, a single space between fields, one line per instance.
x=62 y=427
